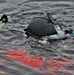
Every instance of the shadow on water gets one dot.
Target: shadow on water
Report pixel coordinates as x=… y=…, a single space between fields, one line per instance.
x=2 y=1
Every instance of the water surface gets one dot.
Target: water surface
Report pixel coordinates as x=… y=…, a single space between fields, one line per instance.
x=20 y=13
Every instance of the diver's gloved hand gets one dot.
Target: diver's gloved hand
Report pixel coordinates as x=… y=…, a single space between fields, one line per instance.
x=4 y=18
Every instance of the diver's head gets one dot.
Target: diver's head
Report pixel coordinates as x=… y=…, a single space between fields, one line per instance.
x=41 y=26
x=4 y=18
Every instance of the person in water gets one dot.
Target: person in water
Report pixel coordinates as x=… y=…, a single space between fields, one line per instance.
x=3 y=20
x=46 y=28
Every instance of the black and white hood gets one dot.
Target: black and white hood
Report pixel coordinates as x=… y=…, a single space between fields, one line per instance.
x=44 y=27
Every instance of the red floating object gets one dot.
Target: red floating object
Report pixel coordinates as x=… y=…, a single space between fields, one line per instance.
x=57 y=63
x=22 y=56
x=49 y=67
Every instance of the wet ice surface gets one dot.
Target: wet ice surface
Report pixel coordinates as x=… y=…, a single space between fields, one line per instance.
x=21 y=13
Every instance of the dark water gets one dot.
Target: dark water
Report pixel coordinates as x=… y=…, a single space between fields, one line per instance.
x=20 y=13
